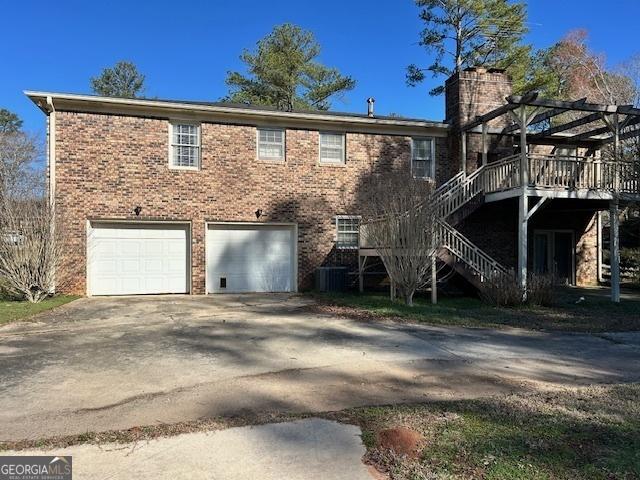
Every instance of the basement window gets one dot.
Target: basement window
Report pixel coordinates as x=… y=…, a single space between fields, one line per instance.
x=185 y=146
x=422 y=158
x=347 y=232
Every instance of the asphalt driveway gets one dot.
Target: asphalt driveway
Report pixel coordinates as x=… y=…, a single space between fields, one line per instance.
x=112 y=363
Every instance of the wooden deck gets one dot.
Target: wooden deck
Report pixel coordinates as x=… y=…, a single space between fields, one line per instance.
x=561 y=177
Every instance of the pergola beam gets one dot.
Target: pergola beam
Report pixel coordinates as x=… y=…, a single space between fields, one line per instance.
x=541 y=117
x=589 y=134
x=567 y=126
x=629 y=133
x=480 y=119
x=577 y=105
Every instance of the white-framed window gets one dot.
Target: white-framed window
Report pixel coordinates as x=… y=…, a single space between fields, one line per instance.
x=271 y=144
x=347 y=232
x=423 y=163
x=184 y=150
x=332 y=149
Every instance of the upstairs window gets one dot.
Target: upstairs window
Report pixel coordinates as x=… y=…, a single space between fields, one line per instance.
x=271 y=144
x=422 y=158
x=185 y=145
x=347 y=232
x=332 y=148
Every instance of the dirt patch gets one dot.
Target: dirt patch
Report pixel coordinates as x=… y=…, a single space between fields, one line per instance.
x=401 y=440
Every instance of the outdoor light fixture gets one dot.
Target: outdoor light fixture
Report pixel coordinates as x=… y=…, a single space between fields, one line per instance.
x=258 y=213
x=137 y=211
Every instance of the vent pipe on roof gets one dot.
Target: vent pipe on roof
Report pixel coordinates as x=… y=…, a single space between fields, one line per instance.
x=370 y=102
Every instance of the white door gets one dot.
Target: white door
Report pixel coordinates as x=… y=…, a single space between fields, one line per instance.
x=134 y=259
x=250 y=258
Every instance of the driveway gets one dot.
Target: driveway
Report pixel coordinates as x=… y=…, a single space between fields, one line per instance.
x=113 y=363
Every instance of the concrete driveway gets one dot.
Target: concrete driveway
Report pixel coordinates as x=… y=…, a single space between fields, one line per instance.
x=112 y=363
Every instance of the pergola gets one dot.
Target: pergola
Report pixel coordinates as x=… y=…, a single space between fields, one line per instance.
x=538 y=121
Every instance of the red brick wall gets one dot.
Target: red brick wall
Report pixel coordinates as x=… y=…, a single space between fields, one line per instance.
x=494 y=229
x=107 y=165
x=470 y=93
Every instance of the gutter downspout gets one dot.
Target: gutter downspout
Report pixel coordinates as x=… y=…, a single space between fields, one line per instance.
x=51 y=150
x=51 y=166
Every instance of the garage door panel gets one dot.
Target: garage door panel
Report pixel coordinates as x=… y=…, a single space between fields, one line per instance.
x=137 y=259
x=128 y=266
x=250 y=258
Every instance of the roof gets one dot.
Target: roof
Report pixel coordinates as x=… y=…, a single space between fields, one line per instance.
x=228 y=112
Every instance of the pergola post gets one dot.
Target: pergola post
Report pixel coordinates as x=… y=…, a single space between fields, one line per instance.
x=524 y=167
x=523 y=201
x=613 y=124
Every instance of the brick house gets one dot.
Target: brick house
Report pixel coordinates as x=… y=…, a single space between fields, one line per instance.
x=158 y=196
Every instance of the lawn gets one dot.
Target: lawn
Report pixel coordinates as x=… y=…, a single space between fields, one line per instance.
x=574 y=310
x=588 y=433
x=13 y=310
x=574 y=433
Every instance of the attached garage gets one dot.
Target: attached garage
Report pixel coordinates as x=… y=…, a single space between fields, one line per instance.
x=137 y=258
x=251 y=258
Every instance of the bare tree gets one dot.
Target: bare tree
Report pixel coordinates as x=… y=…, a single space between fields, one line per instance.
x=401 y=224
x=19 y=153
x=29 y=243
x=30 y=247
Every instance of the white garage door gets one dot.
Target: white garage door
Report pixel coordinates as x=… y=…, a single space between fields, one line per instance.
x=133 y=259
x=250 y=258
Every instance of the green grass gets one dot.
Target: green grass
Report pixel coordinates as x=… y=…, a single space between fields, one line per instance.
x=14 y=310
x=590 y=433
x=594 y=314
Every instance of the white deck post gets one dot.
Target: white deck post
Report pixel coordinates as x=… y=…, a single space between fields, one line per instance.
x=463 y=153
x=522 y=242
x=599 y=245
x=614 y=241
x=485 y=144
x=434 y=282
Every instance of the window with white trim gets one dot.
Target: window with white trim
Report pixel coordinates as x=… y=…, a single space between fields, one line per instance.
x=271 y=144
x=422 y=158
x=332 y=148
x=185 y=145
x=347 y=232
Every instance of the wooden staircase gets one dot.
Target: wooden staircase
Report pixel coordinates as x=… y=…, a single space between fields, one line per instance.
x=455 y=200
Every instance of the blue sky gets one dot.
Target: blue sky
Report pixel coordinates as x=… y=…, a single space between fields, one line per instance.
x=186 y=48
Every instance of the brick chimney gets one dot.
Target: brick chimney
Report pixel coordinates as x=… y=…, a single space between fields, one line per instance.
x=469 y=93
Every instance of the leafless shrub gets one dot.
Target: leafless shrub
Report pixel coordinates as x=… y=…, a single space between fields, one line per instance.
x=503 y=291
x=399 y=222
x=30 y=247
x=541 y=289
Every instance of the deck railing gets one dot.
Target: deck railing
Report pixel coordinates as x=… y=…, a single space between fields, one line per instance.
x=463 y=249
x=564 y=173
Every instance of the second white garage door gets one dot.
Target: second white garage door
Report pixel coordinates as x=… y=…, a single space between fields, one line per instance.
x=134 y=259
x=250 y=258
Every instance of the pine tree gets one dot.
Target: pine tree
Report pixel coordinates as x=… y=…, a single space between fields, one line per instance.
x=284 y=73
x=123 y=80
x=463 y=33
